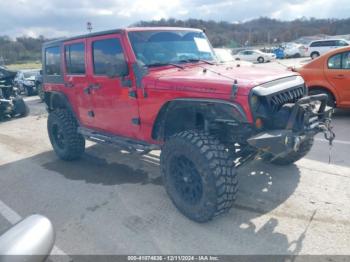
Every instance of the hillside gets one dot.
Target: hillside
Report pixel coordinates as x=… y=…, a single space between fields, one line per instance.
x=259 y=31
x=254 y=32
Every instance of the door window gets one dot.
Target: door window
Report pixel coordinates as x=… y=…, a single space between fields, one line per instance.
x=346 y=60
x=339 y=61
x=315 y=44
x=75 y=59
x=106 y=53
x=53 y=61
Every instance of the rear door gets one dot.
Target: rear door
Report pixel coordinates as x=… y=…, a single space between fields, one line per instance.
x=338 y=74
x=75 y=79
x=114 y=111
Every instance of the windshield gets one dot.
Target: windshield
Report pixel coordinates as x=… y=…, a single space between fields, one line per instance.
x=30 y=74
x=166 y=47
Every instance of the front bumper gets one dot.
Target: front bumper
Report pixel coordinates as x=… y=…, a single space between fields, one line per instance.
x=305 y=121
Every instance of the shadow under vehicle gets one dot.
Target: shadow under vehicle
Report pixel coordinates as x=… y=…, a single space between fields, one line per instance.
x=11 y=104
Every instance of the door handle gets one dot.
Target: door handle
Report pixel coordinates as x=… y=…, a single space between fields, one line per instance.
x=339 y=76
x=69 y=84
x=90 y=87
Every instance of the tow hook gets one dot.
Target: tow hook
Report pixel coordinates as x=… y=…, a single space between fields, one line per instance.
x=327 y=130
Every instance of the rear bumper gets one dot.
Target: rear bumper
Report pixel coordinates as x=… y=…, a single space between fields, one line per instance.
x=304 y=122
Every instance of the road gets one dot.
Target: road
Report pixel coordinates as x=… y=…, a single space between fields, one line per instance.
x=111 y=202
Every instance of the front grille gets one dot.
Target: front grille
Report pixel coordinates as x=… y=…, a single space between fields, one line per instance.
x=292 y=95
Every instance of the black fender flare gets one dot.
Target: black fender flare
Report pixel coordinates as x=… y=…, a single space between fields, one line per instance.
x=55 y=99
x=224 y=110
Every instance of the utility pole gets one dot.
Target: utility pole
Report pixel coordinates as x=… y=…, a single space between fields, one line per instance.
x=89 y=26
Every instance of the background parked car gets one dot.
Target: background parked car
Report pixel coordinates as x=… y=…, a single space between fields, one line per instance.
x=224 y=55
x=330 y=74
x=255 y=56
x=25 y=81
x=320 y=47
x=294 y=50
x=39 y=85
x=11 y=105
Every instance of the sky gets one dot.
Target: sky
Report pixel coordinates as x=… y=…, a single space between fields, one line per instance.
x=56 y=18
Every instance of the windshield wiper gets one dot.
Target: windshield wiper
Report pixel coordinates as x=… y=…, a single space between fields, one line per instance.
x=164 y=64
x=194 y=60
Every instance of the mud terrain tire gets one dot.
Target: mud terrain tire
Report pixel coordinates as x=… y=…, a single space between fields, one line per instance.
x=66 y=141
x=199 y=175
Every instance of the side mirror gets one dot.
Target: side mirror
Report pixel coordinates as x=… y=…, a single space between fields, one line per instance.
x=33 y=237
x=118 y=69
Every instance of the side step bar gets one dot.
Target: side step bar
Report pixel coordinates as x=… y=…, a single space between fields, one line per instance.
x=129 y=144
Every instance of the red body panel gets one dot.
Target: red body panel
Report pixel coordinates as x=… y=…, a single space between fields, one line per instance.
x=114 y=108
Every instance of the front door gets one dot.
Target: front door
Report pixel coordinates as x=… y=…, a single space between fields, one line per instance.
x=114 y=111
x=338 y=74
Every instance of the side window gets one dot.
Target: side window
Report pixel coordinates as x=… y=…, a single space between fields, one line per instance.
x=332 y=43
x=53 y=61
x=346 y=60
x=335 y=62
x=315 y=44
x=106 y=54
x=75 y=58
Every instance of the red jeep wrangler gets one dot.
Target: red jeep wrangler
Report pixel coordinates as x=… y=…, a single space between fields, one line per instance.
x=144 y=89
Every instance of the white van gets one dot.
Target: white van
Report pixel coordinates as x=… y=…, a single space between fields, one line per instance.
x=319 y=47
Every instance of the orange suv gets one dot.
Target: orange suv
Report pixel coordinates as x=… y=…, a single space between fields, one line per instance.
x=330 y=74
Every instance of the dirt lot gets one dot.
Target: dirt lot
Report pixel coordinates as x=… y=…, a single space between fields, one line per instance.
x=112 y=202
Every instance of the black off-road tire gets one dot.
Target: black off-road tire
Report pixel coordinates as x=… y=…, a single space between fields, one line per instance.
x=67 y=143
x=214 y=169
x=292 y=157
x=20 y=108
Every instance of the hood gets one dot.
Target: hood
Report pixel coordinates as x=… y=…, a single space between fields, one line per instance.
x=215 y=78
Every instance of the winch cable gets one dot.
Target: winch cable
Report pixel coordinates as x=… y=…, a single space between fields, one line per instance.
x=329 y=135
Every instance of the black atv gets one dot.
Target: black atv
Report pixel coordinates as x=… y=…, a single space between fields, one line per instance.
x=11 y=104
